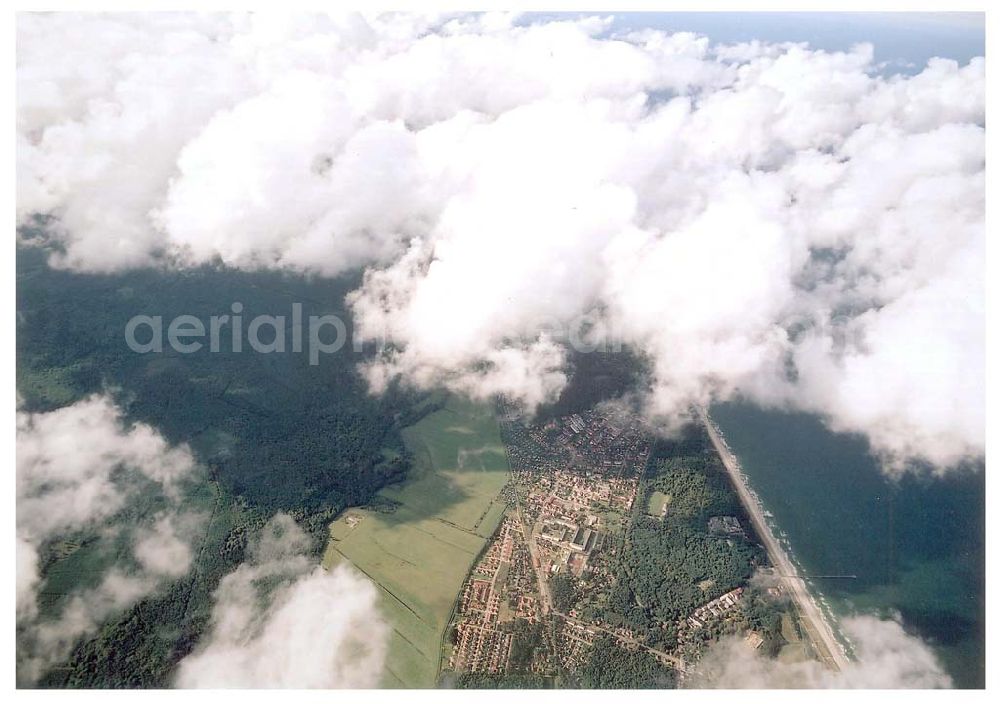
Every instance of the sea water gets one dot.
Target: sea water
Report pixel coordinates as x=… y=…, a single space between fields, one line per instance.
x=914 y=545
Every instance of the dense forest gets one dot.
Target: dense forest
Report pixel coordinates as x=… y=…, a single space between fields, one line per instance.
x=485 y=680
x=272 y=427
x=613 y=667
x=270 y=431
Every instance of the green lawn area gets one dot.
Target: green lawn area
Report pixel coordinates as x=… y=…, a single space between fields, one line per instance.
x=658 y=501
x=420 y=553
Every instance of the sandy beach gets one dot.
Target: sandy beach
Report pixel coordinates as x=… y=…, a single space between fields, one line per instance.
x=821 y=635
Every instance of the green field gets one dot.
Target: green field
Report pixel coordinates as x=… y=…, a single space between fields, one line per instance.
x=658 y=501
x=420 y=553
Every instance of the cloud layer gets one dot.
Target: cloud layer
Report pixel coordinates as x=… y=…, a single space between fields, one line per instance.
x=761 y=219
x=281 y=621
x=886 y=657
x=78 y=467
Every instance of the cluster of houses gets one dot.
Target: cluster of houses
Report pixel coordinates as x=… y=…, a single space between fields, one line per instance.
x=481 y=649
x=602 y=442
x=599 y=442
x=500 y=588
x=716 y=607
x=573 y=644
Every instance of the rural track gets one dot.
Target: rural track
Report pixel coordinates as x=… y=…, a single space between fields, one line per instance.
x=676 y=662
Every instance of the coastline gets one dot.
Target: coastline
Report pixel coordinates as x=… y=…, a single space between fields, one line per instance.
x=816 y=625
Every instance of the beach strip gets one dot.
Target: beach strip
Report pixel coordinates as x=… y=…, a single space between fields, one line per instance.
x=826 y=645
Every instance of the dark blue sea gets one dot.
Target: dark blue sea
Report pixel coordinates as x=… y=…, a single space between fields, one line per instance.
x=915 y=544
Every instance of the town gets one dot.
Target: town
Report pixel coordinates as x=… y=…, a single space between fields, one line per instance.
x=533 y=602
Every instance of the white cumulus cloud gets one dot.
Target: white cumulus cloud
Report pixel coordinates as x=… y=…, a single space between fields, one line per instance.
x=77 y=468
x=765 y=220
x=281 y=621
x=886 y=657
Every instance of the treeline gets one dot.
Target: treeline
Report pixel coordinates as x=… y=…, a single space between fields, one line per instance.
x=612 y=667
x=764 y=615
x=673 y=570
x=697 y=487
x=142 y=646
x=562 y=589
x=486 y=680
x=527 y=640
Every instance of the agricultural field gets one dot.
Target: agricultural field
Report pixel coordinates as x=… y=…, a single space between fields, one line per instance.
x=420 y=552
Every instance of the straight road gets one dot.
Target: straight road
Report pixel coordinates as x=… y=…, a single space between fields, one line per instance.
x=675 y=661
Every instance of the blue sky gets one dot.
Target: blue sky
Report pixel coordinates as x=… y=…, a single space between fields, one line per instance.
x=900 y=38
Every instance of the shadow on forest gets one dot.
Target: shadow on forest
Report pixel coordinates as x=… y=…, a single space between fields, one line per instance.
x=271 y=428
